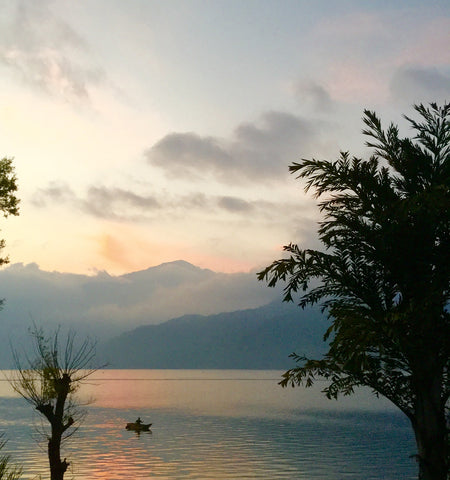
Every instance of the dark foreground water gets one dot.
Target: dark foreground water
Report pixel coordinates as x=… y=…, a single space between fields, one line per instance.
x=214 y=425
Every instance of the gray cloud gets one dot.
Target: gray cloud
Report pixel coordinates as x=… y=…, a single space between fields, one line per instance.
x=193 y=201
x=55 y=193
x=258 y=151
x=125 y=205
x=313 y=95
x=116 y=203
x=420 y=85
x=234 y=204
x=103 y=202
x=45 y=52
x=191 y=152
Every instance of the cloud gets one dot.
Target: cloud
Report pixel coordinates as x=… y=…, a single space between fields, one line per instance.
x=115 y=250
x=426 y=44
x=45 y=52
x=189 y=151
x=100 y=201
x=106 y=304
x=56 y=193
x=356 y=51
x=259 y=151
x=420 y=85
x=116 y=203
x=113 y=203
x=312 y=95
x=234 y=204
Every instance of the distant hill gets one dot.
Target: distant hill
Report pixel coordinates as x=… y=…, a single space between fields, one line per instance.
x=259 y=338
x=104 y=306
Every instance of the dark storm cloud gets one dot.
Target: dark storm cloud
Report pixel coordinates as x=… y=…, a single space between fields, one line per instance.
x=45 y=52
x=256 y=151
x=420 y=85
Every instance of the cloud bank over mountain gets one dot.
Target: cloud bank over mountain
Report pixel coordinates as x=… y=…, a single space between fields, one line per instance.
x=105 y=305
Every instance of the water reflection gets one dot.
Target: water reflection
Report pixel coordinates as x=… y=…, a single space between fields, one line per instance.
x=219 y=425
x=216 y=392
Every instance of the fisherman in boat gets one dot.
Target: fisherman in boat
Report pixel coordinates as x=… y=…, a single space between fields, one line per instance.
x=138 y=426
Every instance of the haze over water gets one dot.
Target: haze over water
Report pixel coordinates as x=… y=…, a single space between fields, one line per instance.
x=217 y=424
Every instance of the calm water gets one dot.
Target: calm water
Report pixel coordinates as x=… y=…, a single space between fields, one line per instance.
x=214 y=425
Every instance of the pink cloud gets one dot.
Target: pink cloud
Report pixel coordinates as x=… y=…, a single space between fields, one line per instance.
x=429 y=45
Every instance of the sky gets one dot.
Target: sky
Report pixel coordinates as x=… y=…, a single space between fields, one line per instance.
x=145 y=132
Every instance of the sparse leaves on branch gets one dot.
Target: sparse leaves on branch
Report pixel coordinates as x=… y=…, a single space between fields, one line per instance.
x=48 y=380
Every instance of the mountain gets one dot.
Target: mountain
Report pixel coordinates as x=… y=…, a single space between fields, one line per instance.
x=104 y=306
x=260 y=338
x=152 y=296
x=193 y=317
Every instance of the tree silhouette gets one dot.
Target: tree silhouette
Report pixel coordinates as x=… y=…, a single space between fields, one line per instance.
x=383 y=276
x=9 y=203
x=48 y=381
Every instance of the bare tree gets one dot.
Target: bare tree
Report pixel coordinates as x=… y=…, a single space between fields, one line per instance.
x=48 y=381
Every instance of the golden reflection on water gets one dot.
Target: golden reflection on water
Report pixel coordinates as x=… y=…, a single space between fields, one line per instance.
x=213 y=392
x=208 y=425
x=134 y=458
x=210 y=392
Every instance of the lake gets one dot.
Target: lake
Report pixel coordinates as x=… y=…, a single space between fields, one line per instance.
x=216 y=424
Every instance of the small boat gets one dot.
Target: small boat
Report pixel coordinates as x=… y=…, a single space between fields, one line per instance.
x=138 y=426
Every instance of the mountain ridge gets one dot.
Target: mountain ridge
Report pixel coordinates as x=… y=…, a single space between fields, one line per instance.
x=259 y=338
x=104 y=306
x=180 y=316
